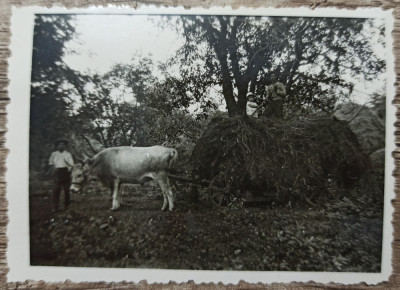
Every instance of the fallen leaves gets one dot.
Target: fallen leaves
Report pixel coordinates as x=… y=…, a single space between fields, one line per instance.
x=196 y=236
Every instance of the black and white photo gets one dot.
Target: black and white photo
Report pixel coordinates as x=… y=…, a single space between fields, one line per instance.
x=233 y=145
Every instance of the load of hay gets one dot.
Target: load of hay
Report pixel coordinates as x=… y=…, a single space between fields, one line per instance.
x=365 y=124
x=294 y=160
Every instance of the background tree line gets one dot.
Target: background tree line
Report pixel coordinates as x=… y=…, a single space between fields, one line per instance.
x=317 y=59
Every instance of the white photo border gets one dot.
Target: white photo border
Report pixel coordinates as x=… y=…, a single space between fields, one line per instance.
x=17 y=175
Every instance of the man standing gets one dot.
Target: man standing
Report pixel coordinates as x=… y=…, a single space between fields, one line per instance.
x=62 y=162
x=275 y=93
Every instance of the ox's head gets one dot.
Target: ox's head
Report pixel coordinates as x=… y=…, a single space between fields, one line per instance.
x=79 y=176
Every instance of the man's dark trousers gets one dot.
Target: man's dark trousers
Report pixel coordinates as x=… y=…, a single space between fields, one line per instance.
x=274 y=109
x=63 y=181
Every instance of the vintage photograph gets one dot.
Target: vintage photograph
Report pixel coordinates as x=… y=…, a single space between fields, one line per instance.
x=207 y=142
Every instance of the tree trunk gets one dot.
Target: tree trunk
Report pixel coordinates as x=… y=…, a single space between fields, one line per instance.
x=231 y=105
x=242 y=96
x=227 y=84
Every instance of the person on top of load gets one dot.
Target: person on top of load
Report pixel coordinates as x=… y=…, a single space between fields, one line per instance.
x=275 y=93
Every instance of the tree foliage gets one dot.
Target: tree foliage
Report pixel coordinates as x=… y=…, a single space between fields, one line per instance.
x=51 y=32
x=111 y=103
x=128 y=106
x=50 y=102
x=314 y=57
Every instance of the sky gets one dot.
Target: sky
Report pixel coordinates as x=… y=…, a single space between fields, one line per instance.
x=104 y=40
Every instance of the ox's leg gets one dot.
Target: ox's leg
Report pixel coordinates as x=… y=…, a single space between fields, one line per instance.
x=173 y=193
x=165 y=203
x=166 y=190
x=170 y=195
x=115 y=201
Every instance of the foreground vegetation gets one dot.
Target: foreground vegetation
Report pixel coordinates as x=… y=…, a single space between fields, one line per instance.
x=329 y=237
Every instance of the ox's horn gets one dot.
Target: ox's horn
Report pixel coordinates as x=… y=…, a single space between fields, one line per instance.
x=90 y=144
x=81 y=160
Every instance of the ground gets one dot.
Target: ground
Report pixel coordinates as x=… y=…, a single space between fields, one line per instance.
x=339 y=236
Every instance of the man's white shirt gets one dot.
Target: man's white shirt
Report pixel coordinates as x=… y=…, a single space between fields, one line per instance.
x=61 y=159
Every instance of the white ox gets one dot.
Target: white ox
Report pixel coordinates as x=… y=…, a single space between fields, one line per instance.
x=137 y=165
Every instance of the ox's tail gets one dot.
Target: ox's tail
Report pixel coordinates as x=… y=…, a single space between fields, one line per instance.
x=172 y=157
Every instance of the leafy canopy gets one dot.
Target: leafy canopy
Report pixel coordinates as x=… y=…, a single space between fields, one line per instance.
x=316 y=58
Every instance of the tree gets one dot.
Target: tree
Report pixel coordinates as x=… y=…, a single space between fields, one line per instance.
x=114 y=114
x=311 y=56
x=128 y=106
x=49 y=117
x=113 y=103
x=133 y=78
x=51 y=32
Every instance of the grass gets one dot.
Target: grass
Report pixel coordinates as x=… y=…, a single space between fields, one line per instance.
x=200 y=236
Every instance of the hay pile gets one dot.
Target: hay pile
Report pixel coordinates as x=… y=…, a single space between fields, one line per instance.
x=285 y=160
x=365 y=124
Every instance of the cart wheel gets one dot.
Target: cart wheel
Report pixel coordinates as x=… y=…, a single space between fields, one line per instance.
x=217 y=192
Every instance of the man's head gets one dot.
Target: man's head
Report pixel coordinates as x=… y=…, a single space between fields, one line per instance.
x=61 y=144
x=273 y=78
